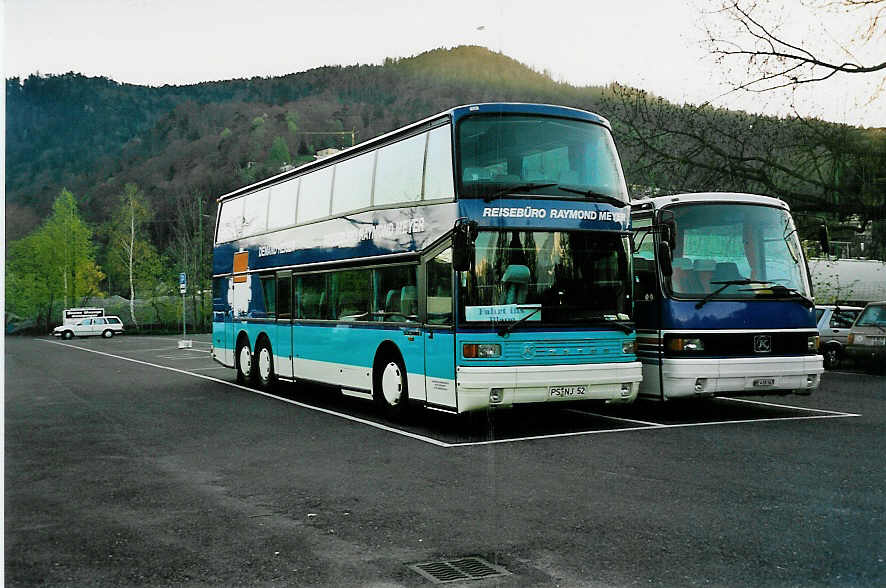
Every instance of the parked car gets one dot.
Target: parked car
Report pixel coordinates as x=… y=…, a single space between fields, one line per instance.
x=833 y=326
x=106 y=326
x=867 y=337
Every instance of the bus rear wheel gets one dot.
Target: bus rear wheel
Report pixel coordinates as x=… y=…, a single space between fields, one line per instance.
x=265 y=377
x=243 y=359
x=390 y=389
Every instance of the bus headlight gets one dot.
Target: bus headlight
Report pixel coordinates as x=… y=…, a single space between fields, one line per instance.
x=481 y=350
x=680 y=344
x=629 y=346
x=812 y=343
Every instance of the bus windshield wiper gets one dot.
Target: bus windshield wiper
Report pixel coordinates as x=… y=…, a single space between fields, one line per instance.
x=596 y=196
x=726 y=284
x=516 y=189
x=505 y=329
x=780 y=291
x=626 y=328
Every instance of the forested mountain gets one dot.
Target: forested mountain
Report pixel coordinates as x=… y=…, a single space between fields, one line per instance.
x=177 y=145
x=93 y=135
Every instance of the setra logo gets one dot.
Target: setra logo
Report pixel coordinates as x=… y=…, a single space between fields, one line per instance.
x=762 y=343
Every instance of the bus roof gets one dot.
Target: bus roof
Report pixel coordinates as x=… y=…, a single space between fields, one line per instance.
x=452 y=115
x=659 y=202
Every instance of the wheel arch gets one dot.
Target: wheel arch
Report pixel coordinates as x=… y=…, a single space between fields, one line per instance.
x=263 y=337
x=385 y=349
x=242 y=336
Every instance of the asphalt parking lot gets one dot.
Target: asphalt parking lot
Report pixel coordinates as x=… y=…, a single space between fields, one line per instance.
x=130 y=461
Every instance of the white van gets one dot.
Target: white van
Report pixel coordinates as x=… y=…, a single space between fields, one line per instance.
x=106 y=326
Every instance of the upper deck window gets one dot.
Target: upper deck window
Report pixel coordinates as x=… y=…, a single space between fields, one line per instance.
x=313 y=198
x=353 y=183
x=281 y=207
x=438 y=166
x=398 y=173
x=500 y=151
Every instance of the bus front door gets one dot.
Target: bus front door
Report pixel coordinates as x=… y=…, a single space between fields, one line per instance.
x=439 y=334
x=440 y=366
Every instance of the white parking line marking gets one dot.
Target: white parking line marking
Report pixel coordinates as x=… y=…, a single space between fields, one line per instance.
x=832 y=412
x=652 y=428
x=827 y=414
x=613 y=418
x=178 y=357
x=217 y=367
x=286 y=400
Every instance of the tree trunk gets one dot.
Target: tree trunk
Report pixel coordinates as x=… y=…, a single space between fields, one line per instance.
x=131 y=252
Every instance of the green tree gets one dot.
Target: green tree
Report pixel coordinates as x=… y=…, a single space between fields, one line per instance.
x=130 y=252
x=279 y=154
x=54 y=262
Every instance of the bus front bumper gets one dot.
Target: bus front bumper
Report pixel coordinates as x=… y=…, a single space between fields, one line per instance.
x=741 y=376
x=479 y=388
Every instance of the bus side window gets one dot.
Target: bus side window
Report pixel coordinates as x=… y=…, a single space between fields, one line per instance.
x=219 y=294
x=352 y=300
x=394 y=294
x=644 y=260
x=439 y=272
x=311 y=294
x=284 y=297
x=269 y=287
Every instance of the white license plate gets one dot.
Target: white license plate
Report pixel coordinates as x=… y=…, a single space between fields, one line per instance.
x=764 y=382
x=567 y=391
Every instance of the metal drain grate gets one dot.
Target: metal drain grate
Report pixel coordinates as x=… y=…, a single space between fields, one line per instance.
x=456 y=570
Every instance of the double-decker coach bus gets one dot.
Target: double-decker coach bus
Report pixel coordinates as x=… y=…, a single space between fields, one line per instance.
x=480 y=257
x=723 y=298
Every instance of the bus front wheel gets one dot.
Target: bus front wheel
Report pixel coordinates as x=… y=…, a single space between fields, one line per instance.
x=264 y=372
x=244 y=363
x=390 y=388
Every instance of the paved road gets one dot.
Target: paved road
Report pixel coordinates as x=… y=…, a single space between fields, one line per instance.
x=131 y=462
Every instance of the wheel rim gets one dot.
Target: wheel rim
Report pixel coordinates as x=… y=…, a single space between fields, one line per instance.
x=245 y=363
x=831 y=356
x=108 y=334
x=264 y=364
x=392 y=383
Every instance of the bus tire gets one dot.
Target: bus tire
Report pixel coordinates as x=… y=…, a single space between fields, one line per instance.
x=107 y=333
x=243 y=361
x=390 y=389
x=265 y=378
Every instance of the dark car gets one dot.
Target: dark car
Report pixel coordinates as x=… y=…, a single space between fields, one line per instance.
x=867 y=337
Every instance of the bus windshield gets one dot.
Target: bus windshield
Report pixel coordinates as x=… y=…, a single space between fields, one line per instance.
x=734 y=251
x=545 y=278
x=497 y=153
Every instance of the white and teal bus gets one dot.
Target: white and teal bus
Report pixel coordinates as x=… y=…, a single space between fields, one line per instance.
x=478 y=258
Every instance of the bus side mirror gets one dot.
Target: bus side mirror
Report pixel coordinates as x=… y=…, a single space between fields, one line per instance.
x=824 y=239
x=463 y=237
x=664 y=259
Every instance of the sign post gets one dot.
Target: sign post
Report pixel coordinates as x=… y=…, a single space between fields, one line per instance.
x=182 y=288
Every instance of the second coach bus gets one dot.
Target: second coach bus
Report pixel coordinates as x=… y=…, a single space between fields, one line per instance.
x=480 y=257
x=723 y=298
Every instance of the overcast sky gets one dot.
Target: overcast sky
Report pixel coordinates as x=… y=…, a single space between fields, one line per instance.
x=656 y=45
